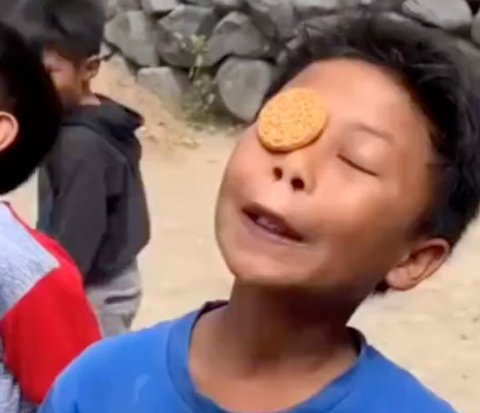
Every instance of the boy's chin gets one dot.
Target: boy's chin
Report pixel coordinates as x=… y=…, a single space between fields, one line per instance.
x=264 y=280
x=265 y=274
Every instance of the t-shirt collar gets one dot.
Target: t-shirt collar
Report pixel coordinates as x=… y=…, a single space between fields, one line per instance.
x=178 y=347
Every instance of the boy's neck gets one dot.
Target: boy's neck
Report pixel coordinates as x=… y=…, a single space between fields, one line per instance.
x=90 y=99
x=265 y=329
x=268 y=351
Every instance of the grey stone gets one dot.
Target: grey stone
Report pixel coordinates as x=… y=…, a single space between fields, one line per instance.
x=7 y=7
x=452 y=15
x=159 y=8
x=228 y=5
x=125 y=5
x=398 y=18
x=176 y=31
x=201 y=3
x=319 y=24
x=476 y=28
x=242 y=85
x=310 y=8
x=236 y=35
x=470 y=51
x=168 y=84
x=288 y=50
x=111 y=8
x=276 y=18
x=106 y=51
x=472 y=56
x=133 y=33
x=383 y=4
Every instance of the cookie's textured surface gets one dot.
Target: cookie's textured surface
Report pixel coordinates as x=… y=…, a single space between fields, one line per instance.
x=291 y=120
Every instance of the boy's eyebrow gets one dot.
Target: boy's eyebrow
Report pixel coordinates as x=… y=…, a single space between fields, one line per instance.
x=372 y=130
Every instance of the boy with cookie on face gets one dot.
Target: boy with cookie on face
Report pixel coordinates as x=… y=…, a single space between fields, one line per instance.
x=360 y=174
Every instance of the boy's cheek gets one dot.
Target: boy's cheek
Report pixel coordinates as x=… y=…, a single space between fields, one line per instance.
x=68 y=94
x=58 y=81
x=249 y=159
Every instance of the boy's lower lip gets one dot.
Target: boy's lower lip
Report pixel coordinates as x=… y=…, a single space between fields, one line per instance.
x=263 y=232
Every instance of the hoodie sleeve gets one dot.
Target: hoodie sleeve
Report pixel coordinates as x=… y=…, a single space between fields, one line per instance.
x=79 y=210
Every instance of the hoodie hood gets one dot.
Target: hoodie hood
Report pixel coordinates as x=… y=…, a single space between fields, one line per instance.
x=113 y=122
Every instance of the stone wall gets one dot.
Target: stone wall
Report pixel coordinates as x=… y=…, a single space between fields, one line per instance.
x=244 y=39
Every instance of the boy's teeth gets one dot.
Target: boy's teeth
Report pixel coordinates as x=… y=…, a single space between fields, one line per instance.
x=269 y=225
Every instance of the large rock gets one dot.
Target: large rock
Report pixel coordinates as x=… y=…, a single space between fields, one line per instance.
x=242 y=85
x=314 y=8
x=382 y=4
x=452 y=15
x=476 y=28
x=236 y=35
x=169 y=84
x=276 y=18
x=134 y=34
x=11 y=11
x=290 y=48
x=472 y=55
x=470 y=51
x=111 y=8
x=227 y=5
x=176 y=31
x=106 y=52
x=201 y=3
x=319 y=24
x=310 y=8
x=312 y=27
x=159 y=8
x=7 y=7
x=399 y=18
x=126 y=5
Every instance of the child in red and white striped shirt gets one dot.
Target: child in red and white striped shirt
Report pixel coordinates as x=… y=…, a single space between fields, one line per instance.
x=45 y=319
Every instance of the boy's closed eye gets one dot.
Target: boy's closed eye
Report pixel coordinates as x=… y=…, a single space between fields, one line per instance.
x=365 y=153
x=357 y=165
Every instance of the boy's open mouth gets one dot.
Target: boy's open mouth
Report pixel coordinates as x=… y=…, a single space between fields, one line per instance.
x=272 y=223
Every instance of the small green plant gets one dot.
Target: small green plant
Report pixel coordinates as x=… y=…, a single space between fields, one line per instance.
x=199 y=49
x=199 y=104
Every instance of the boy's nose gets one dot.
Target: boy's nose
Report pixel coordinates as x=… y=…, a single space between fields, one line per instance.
x=297 y=169
x=297 y=181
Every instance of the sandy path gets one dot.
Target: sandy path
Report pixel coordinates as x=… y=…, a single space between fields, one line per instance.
x=435 y=331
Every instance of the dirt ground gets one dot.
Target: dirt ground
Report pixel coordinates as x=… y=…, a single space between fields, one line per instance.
x=434 y=331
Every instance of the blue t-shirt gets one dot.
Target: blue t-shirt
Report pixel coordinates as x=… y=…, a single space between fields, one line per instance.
x=147 y=372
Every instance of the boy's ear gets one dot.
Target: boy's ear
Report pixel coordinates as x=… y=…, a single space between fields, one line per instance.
x=8 y=130
x=420 y=263
x=91 y=67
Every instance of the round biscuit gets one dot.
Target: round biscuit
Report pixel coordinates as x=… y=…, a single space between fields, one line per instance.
x=291 y=120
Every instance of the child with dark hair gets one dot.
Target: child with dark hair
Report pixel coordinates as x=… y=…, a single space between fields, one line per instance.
x=361 y=173
x=91 y=192
x=45 y=318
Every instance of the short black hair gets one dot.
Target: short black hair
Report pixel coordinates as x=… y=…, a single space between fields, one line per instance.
x=438 y=76
x=73 y=28
x=27 y=93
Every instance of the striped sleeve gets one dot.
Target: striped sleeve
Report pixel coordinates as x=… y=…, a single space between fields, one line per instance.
x=46 y=319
